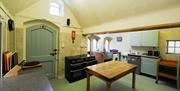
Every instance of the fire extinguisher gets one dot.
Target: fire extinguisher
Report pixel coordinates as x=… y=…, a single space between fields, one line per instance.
x=73 y=36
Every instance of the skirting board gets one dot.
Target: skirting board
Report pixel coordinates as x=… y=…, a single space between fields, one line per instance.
x=61 y=77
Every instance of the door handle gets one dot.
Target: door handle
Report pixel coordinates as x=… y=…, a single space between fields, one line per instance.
x=53 y=54
x=55 y=50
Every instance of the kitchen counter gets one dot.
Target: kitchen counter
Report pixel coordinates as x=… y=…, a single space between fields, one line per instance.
x=106 y=57
x=145 y=56
x=146 y=64
x=27 y=80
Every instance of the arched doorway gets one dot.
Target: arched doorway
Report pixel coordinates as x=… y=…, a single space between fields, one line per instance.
x=41 y=45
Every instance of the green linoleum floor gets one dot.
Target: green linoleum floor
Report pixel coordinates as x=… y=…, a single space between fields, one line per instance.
x=143 y=83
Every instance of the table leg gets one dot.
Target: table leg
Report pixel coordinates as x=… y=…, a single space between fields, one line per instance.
x=88 y=81
x=133 y=79
x=108 y=86
x=157 y=78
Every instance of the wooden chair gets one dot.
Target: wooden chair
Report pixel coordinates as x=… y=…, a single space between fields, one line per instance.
x=99 y=57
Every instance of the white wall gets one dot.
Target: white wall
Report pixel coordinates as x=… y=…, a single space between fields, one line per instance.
x=124 y=46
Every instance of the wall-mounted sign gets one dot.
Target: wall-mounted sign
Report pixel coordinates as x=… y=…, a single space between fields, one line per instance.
x=73 y=36
x=119 y=39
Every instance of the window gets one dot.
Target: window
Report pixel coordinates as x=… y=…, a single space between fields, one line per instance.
x=88 y=45
x=56 y=9
x=94 y=45
x=106 y=45
x=173 y=46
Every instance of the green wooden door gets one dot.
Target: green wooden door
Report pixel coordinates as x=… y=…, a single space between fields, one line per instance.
x=40 y=44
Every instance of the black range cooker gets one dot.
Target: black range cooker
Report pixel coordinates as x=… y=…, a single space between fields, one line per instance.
x=75 y=66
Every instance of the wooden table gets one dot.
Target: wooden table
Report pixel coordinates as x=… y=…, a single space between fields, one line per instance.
x=110 y=71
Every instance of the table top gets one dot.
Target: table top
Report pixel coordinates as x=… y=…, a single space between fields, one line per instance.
x=28 y=80
x=111 y=70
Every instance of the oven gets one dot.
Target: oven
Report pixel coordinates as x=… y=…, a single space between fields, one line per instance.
x=135 y=59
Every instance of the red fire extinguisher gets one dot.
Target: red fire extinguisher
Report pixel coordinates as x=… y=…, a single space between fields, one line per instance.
x=73 y=36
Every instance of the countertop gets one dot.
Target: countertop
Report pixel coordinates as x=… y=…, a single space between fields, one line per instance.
x=28 y=80
x=155 y=57
x=106 y=57
x=79 y=56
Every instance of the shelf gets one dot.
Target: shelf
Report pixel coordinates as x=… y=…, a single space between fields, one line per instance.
x=167 y=75
x=13 y=72
x=168 y=63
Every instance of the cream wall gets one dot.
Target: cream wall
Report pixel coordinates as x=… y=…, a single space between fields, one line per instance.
x=5 y=9
x=8 y=37
x=40 y=11
x=166 y=15
x=168 y=34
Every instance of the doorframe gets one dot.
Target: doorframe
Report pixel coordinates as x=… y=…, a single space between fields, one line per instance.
x=1 y=48
x=49 y=24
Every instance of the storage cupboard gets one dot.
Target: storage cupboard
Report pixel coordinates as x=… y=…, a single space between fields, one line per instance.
x=135 y=38
x=144 y=38
x=149 y=65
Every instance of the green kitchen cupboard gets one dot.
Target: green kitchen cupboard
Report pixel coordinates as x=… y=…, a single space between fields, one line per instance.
x=135 y=38
x=144 y=38
x=149 y=65
x=149 y=38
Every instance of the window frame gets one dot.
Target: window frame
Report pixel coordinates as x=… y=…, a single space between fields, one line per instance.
x=174 y=47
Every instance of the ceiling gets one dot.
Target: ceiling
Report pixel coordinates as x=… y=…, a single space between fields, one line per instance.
x=14 y=6
x=94 y=12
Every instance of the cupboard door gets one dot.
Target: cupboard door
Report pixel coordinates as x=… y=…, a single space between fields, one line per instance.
x=149 y=66
x=150 y=38
x=135 y=38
